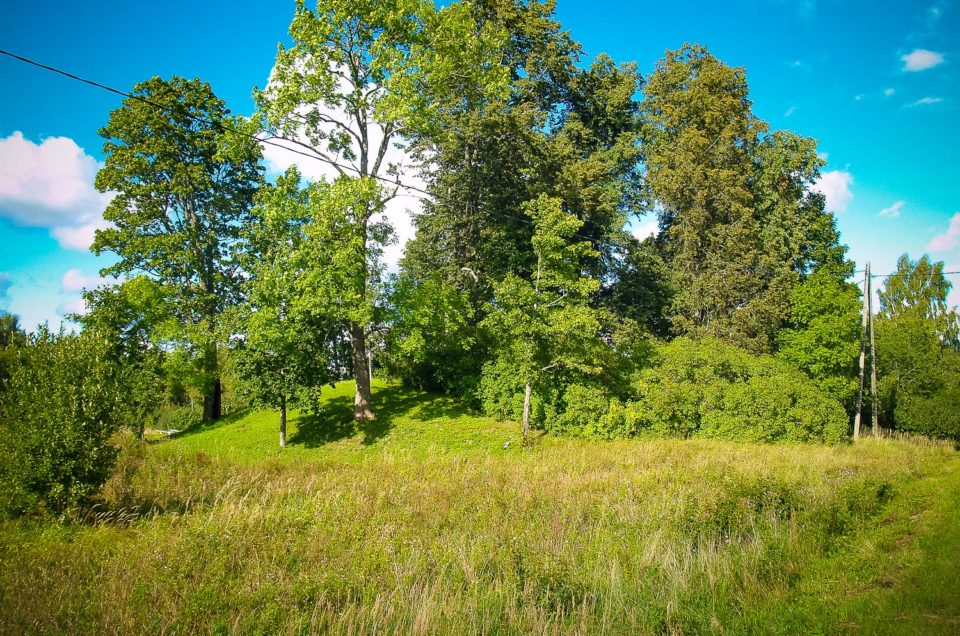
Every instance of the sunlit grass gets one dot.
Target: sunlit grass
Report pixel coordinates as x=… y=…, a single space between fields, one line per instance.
x=428 y=521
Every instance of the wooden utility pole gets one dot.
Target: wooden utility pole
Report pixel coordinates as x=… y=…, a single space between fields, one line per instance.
x=863 y=351
x=874 y=406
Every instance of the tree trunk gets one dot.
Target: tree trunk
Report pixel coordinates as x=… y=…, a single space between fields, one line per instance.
x=283 y=421
x=213 y=398
x=363 y=398
x=526 y=410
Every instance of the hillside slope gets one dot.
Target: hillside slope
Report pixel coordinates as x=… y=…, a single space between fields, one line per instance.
x=433 y=520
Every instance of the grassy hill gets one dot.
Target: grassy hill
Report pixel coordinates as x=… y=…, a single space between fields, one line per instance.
x=434 y=520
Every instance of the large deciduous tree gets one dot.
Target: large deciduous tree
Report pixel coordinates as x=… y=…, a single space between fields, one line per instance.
x=184 y=187
x=361 y=77
x=918 y=354
x=742 y=225
x=699 y=135
x=328 y=96
x=535 y=124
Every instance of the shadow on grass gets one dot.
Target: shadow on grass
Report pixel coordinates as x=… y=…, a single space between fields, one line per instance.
x=335 y=420
x=200 y=427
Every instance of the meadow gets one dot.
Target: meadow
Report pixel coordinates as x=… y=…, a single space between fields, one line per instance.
x=434 y=520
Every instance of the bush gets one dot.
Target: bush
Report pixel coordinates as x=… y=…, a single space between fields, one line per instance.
x=710 y=389
x=935 y=416
x=501 y=396
x=63 y=402
x=590 y=412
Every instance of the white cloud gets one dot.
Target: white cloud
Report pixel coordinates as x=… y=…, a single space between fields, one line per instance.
x=76 y=281
x=76 y=306
x=51 y=185
x=949 y=239
x=649 y=227
x=790 y=111
x=859 y=97
x=889 y=91
x=399 y=210
x=835 y=186
x=893 y=211
x=920 y=60
x=926 y=101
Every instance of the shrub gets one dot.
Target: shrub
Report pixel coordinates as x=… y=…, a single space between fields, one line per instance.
x=710 y=389
x=63 y=402
x=935 y=416
x=590 y=412
x=501 y=396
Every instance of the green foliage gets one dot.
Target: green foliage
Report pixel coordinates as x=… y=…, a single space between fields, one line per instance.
x=740 y=224
x=132 y=316
x=919 y=289
x=500 y=394
x=65 y=398
x=710 y=389
x=590 y=412
x=552 y=129
x=431 y=338
x=697 y=114
x=823 y=336
x=641 y=289
x=918 y=353
x=547 y=326
x=919 y=376
x=286 y=348
x=12 y=337
x=184 y=188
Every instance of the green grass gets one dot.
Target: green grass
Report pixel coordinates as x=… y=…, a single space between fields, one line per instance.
x=408 y=421
x=427 y=521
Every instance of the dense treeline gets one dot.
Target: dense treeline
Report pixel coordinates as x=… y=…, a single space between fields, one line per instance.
x=523 y=292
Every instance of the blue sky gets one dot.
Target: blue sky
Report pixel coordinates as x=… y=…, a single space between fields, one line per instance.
x=875 y=82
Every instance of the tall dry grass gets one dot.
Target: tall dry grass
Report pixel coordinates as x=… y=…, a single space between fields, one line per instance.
x=629 y=537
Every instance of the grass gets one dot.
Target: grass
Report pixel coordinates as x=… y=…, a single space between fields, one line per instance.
x=433 y=520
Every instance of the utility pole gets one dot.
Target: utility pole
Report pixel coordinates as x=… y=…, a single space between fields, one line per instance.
x=874 y=406
x=863 y=351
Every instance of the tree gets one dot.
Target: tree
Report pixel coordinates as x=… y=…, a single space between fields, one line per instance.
x=184 y=187
x=131 y=316
x=533 y=123
x=546 y=325
x=285 y=350
x=12 y=337
x=553 y=129
x=919 y=289
x=918 y=356
x=337 y=95
x=699 y=135
x=431 y=337
x=63 y=402
x=823 y=335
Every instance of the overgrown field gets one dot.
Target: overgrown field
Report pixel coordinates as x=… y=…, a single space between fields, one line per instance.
x=433 y=520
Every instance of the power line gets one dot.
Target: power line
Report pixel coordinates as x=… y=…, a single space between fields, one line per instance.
x=264 y=140
x=860 y=271
x=432 y=197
